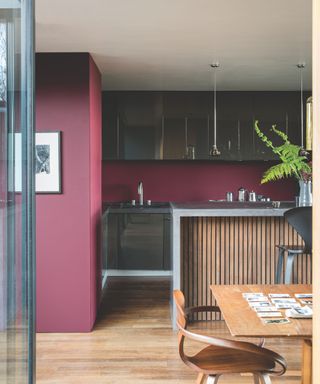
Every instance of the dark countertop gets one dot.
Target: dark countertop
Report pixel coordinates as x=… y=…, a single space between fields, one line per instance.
x=203 y=208
x=234 y=208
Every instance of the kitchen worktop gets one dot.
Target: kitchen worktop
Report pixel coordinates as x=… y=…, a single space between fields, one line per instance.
x=203 y=208
x=234 y=208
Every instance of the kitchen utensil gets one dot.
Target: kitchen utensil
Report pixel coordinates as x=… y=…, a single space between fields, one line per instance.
x=242 y=194
x=252 y=196
x=229 y=196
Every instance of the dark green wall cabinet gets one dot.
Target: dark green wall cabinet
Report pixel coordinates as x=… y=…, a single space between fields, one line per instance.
x=179 y=125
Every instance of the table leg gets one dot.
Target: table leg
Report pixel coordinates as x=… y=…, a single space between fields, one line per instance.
x=201 y=379
x=306 y=362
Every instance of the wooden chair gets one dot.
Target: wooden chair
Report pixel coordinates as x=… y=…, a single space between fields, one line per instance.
x=222 y=355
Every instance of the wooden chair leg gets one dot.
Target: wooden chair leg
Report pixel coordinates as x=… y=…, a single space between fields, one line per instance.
x=265 y=379
x=213 y=379
x=256 y=379
x=307 y=362
x=201 y=379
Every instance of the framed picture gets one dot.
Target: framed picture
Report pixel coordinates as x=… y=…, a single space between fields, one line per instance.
x=47 y=162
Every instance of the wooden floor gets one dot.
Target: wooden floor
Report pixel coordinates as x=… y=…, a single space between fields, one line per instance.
x=132 y=342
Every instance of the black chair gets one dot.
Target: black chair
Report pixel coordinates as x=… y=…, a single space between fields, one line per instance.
x=300 y=219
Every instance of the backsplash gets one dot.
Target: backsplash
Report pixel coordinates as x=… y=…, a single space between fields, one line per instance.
x=188 y=181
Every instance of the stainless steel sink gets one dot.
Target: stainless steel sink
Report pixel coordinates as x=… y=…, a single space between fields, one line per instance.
x=127 y=207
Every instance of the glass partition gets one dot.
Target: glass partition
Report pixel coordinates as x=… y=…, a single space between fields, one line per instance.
x=16 y=192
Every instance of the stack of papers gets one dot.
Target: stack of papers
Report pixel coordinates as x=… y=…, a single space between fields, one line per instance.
x=270 y=306
x=261 y=304
x=285 y=303
x=305 y=298
x=303 y=295
x=300 y=313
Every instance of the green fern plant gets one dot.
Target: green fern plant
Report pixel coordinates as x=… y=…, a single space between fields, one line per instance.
x=293 y=161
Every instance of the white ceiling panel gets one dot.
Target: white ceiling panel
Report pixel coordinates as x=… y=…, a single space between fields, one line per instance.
x=169 y=44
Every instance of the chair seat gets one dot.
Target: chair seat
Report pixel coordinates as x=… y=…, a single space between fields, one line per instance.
x=218 y=360
x=298 y=249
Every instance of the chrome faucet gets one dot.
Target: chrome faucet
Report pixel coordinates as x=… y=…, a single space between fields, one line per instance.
x=140 y=192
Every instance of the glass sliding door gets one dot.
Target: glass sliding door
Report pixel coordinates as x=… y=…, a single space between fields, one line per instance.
x=17 y=262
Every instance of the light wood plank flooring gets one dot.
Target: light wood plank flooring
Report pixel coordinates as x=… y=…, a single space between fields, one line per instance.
x=132 y=342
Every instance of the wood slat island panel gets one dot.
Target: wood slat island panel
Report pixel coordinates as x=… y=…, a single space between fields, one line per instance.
x=234 y=250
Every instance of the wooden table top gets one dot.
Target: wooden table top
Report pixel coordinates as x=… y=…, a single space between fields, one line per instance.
x=243 y=321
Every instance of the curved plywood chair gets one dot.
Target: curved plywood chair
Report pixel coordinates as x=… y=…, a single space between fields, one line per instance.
x=222 y=356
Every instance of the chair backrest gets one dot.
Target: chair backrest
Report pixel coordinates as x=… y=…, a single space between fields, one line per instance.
x=300 y=219
x=180 y=305
x=179 y=300
x=252 y=350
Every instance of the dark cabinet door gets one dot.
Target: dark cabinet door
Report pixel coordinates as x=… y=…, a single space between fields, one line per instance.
x=110 y=244
x=179 y=125
x=228 y=140
x=234 y=111
x=136 y=241
x=137 y=142
x=131 y=125
x=140 y=128
x=174 y=138
x=141 y=242
x=247 y=139
x=197 y=138
x=293 y=106
x=110 y=126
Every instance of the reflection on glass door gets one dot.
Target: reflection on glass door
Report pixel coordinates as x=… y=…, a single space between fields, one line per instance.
x=16 y=204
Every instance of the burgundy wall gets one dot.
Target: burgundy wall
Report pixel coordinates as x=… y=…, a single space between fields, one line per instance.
x=187 y=181
x=67 y=88
x=95 y=177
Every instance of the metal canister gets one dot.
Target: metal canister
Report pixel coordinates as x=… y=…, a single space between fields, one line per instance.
x=252 y=196
x=242 y=194
x=229 y=196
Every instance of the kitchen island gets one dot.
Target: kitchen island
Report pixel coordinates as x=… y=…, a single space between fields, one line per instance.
x=229 y=243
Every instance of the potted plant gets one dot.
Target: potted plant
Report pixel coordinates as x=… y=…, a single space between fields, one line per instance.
x=294 y=163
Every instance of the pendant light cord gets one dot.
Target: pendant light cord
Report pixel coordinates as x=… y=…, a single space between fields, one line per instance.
x=215 y=107
x=214 y=150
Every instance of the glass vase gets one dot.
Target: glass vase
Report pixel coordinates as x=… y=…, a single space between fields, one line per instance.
x=305 y=196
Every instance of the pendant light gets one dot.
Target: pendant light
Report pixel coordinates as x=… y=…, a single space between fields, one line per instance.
x=301 y=67
x=309 y=124
x=214 y=151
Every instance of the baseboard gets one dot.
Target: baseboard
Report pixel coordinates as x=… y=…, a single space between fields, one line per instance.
x=124 y=273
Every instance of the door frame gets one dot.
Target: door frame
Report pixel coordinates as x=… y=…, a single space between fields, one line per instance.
x=316 y=184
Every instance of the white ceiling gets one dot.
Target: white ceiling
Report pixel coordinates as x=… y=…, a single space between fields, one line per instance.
x=169 y=44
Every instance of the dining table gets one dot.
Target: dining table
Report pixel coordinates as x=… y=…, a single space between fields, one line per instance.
x=243 y=321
